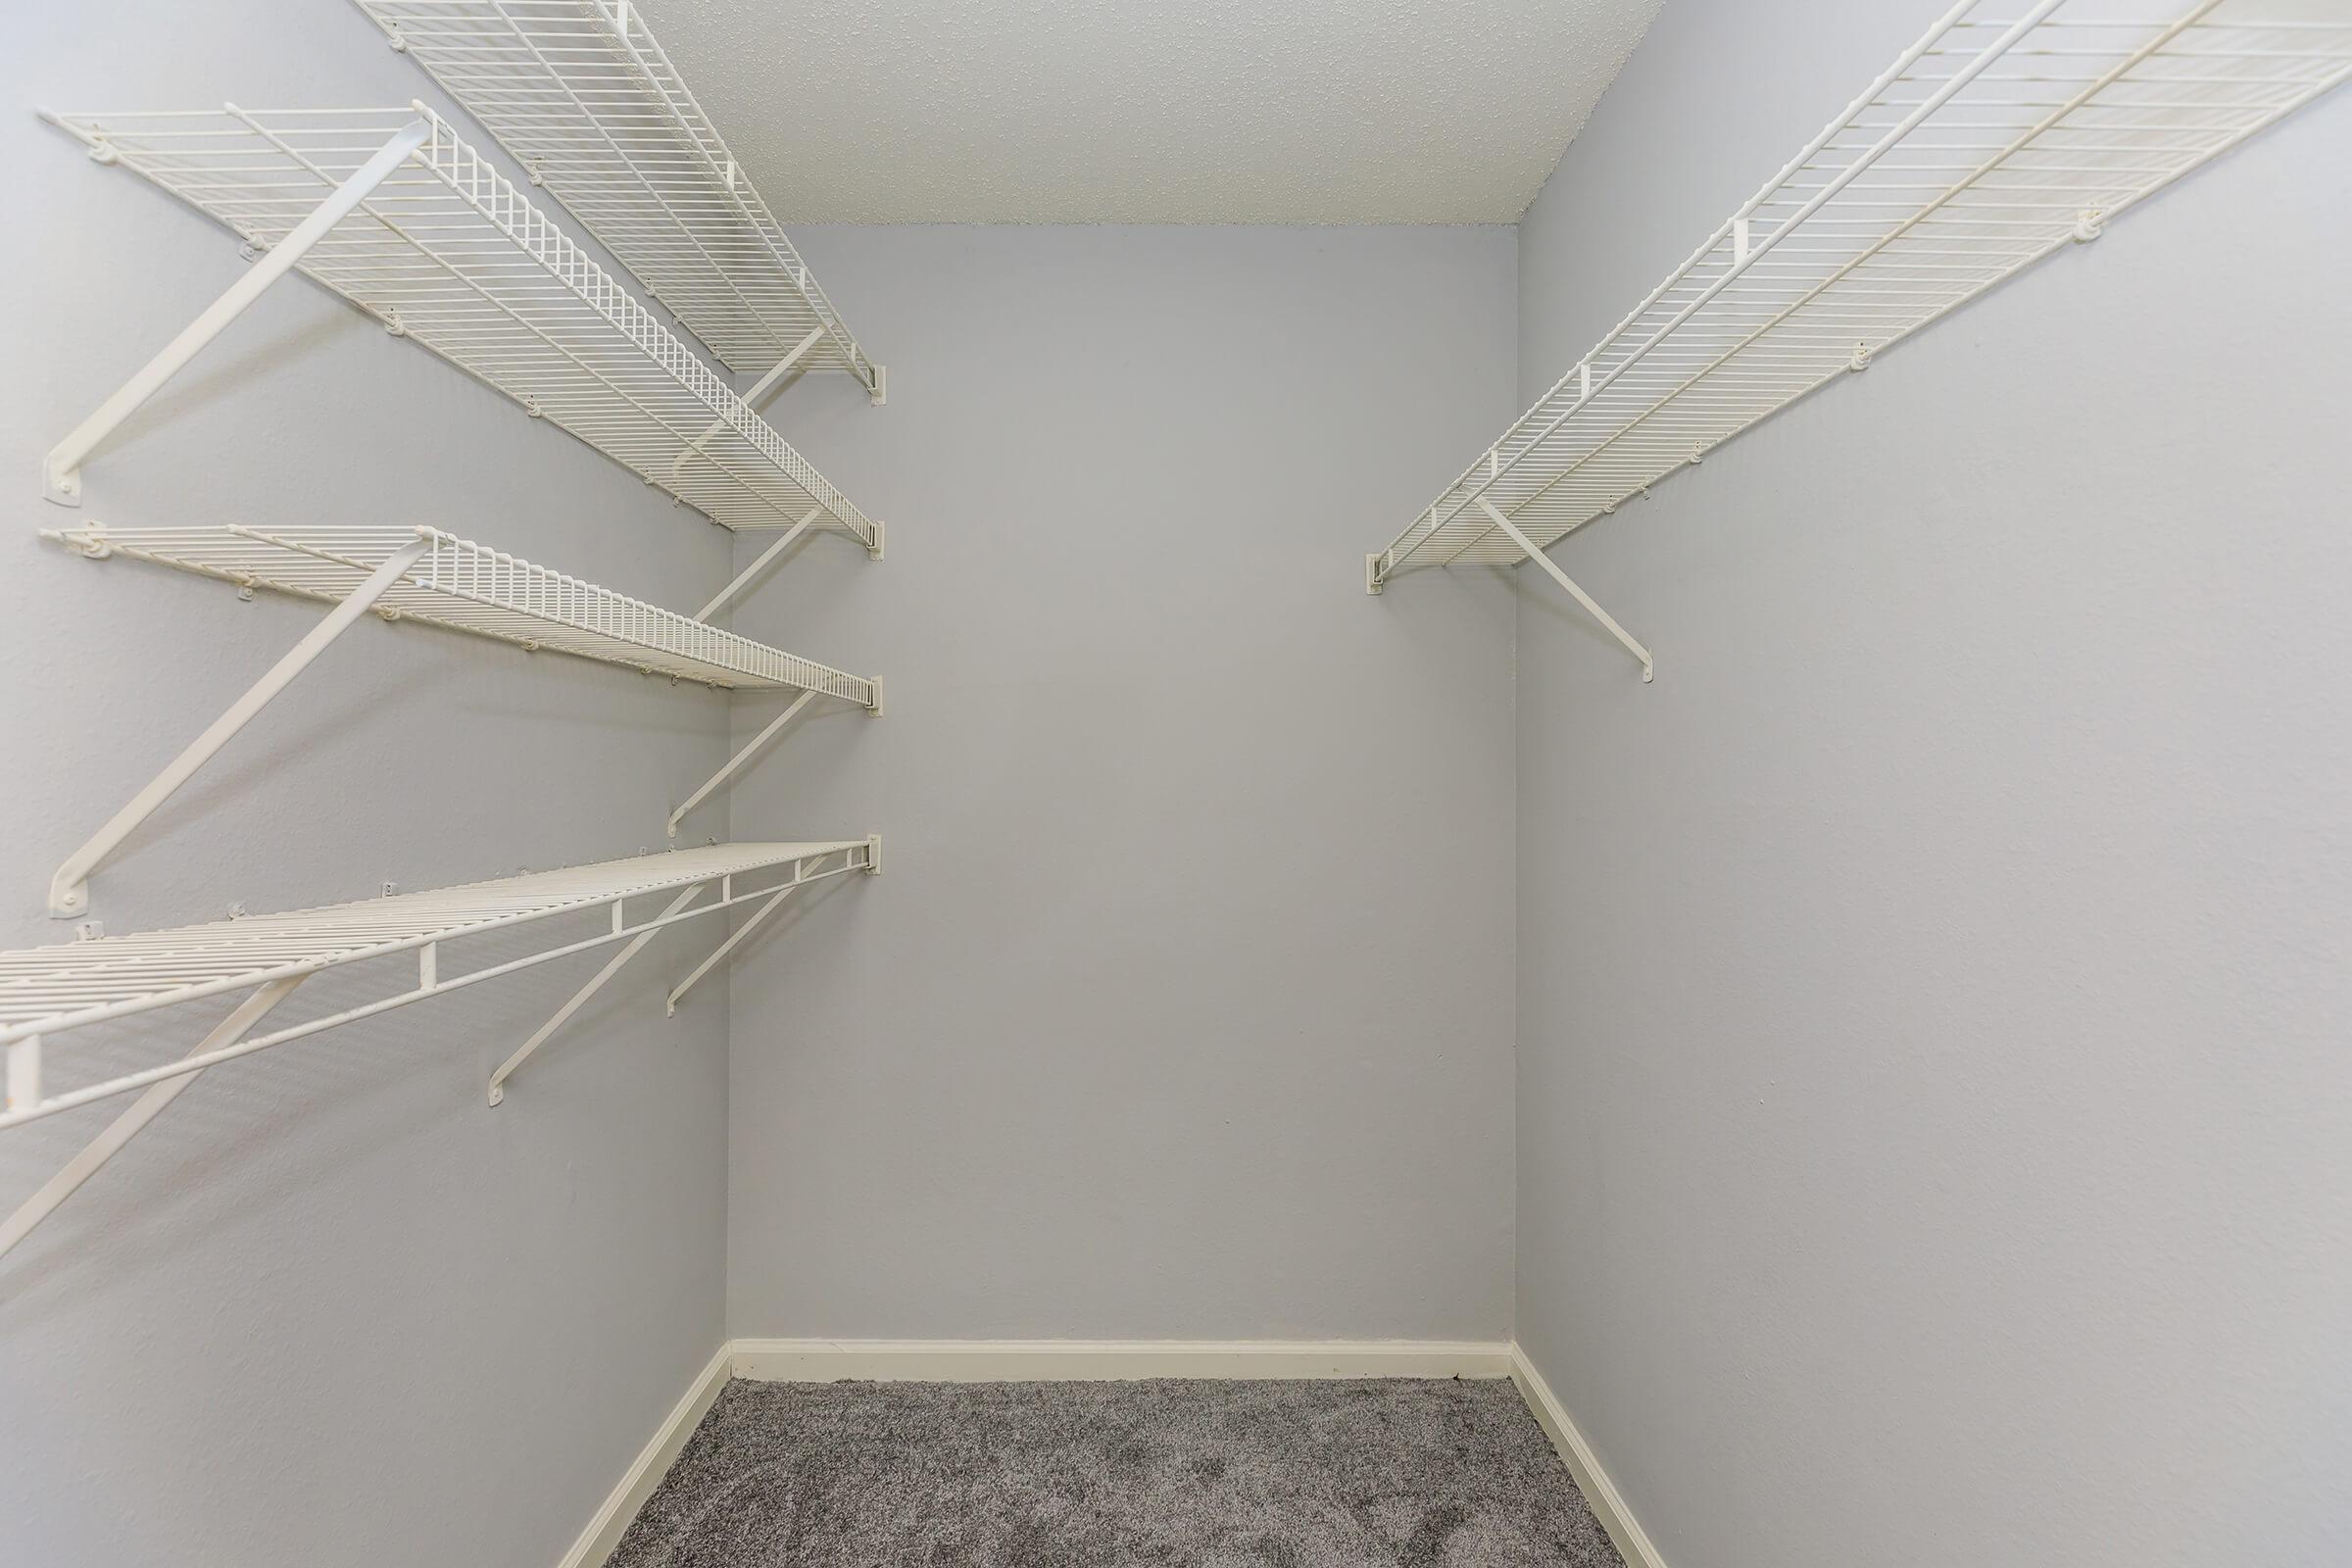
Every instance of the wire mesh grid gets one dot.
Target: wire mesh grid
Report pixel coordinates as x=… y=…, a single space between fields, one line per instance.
x=583 y=97
x=465 y=586
x=2009 y=131
x=449 y=252
x=70 y=984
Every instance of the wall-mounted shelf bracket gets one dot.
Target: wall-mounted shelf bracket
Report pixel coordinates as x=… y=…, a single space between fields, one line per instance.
x=68 y=889
x=579 y=999
x=867 y=857
x=1511 y=529
x=783 y=542
x=61 y=469
x=130 y=1123
x=803 y=872
x=753 y=747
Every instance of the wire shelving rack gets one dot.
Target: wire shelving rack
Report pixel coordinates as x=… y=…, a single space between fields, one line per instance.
x=2010 y=132
x=447 y=581
x=584 y=98
x=388 y=208
x=50 y=990
x=463 y=586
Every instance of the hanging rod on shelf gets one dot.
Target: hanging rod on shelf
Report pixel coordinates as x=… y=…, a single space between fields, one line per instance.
x=46 y=991
x=585 y=99
x=426 y=575
x=2006 y=133
x=392 y=211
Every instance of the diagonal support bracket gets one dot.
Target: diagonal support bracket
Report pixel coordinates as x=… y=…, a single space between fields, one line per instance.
x=803 y=872
x=1565 y=581
x=134 y=1121
x=734 y=938
x=752 y=748
x=61 y=469
x=579 y=999
x=743 y=577
x=69 y=888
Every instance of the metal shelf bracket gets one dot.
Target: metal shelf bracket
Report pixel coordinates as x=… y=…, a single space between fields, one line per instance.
x=579 y=999
x=1648 y=669
x=68 y=889
x=131 y=1122
x=61 y=469
x=753 y=746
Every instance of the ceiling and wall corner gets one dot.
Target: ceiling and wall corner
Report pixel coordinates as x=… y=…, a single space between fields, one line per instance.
x=1114 y=112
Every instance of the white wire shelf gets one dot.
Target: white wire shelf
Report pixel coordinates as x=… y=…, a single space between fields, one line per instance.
x=585 y=99
x=70 y=985
x=464 y=586
x=47 y=991
x=2011 y=130
x=424 y=235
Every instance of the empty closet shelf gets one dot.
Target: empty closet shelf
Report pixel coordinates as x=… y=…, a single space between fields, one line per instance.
x=427 y=236
x=2008 y=132
x=463 y=586
x=49 y=990
x=584 y=98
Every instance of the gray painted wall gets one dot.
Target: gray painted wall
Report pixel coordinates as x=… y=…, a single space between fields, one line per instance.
x=1183 y=1005
x=331 y=1309
x=1933 y=1101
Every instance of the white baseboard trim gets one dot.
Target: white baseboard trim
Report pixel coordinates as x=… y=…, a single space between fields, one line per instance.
x=1036 y=1361
x=1633 y=1543
x=645 y=1472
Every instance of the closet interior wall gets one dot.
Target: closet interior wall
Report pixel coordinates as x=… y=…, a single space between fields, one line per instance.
x=1932 y=1091
x=332 y=1308
x=1192 y=1017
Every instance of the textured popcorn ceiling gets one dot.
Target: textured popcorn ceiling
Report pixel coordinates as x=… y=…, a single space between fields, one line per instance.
x=1149 y=111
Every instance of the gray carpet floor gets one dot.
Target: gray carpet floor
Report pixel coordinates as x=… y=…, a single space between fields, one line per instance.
x=1177 y=1472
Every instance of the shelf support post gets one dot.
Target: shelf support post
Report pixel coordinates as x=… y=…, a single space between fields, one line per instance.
x=738 y=759
x=134 y=1121
x=68 y=889
x=1582 y=598
x=579 y=999
x=61 y=469
x=743 y=577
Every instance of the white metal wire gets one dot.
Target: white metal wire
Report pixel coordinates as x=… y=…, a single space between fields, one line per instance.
x=47 y=990
x=449 y=253
x=583 y=97
x=2012 y=130
x=470 y=587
